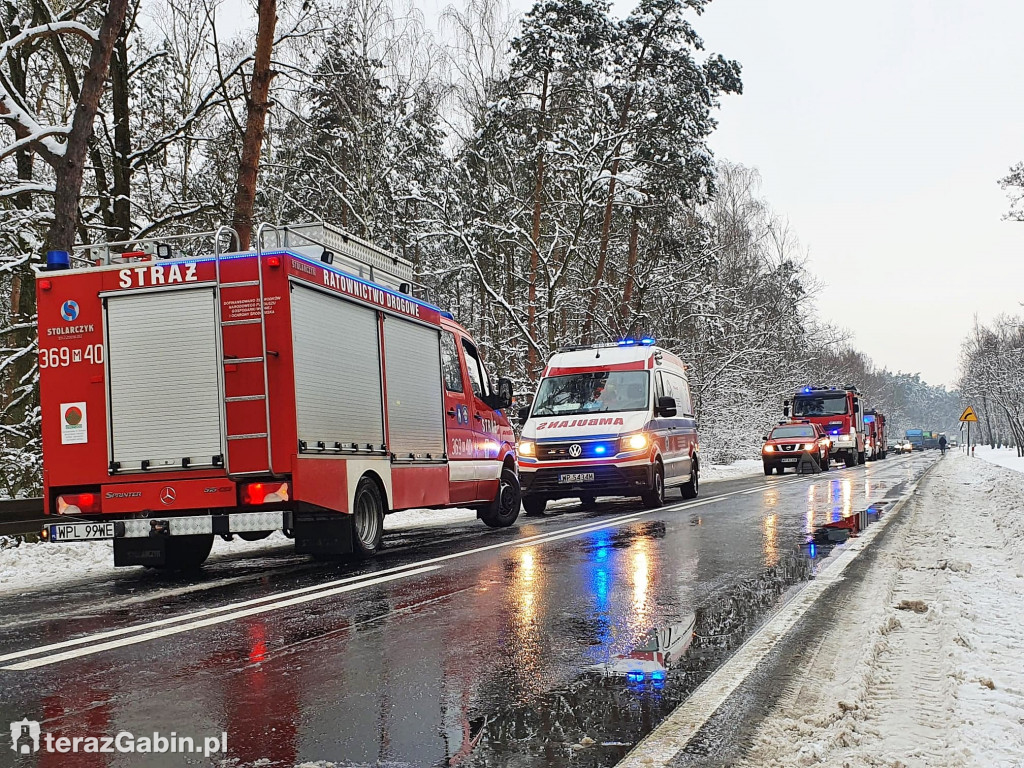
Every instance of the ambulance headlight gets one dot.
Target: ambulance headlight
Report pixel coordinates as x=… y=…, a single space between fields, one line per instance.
x=527 y=448
x=635 y=442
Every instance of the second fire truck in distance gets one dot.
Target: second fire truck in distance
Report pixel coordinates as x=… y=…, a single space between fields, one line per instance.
x=188 y=393
x=839 y=412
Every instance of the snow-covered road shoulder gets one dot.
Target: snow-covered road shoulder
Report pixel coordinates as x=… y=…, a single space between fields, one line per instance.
x=925 y=667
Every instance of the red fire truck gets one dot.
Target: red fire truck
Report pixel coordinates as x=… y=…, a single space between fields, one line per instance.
x=874 y=427
x=839 y=412
x=189 y=392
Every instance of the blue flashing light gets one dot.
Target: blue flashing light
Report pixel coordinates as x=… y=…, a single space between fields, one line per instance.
x=807 y=390
x=658 y=674
x=812 y=550
x=448 y=315
x=647 y=341
x=627 y=342
x=600 y=449
x=57 y=260
x=635 y=676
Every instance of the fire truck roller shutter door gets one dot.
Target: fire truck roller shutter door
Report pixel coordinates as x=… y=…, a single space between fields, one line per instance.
x=164 y=382
x=412 y=361
x=337 y=371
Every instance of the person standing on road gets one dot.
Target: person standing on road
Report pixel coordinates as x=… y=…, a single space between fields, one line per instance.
x=942 y=444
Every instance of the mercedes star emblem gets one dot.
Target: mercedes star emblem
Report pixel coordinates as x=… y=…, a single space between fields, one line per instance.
x=167 y=495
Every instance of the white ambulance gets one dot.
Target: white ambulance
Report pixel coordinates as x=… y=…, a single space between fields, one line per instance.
x=609 y=420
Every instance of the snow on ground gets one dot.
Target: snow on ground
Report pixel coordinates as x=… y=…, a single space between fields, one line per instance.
x=739 y=468
x=925 y=663
x=1003 y=457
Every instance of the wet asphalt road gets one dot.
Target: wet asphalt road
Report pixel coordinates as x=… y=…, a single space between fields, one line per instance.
x=457 y=646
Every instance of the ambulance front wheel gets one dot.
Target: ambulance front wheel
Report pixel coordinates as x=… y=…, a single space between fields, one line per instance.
x=367 y=518
x=534 y=506
x=504 y=510
x=655 y=497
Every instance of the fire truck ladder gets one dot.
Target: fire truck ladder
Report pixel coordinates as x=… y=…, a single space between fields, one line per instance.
x=238 y=409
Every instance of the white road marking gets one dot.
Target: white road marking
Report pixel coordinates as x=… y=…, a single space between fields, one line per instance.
x=187 y=622
x=662 y=745
x=167 y=631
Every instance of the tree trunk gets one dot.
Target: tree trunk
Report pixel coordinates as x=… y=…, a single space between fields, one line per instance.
x=257 y=106
x=538 y=195
x=71 y=167
x=627 y=288
x=122 y=141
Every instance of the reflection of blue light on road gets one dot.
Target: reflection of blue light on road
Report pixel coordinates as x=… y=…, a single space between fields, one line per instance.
x=837 y=514
x=601 y=587
x=602 y=540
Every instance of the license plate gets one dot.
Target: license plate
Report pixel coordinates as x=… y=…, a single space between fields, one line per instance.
x=578 y=477
x=789 y=461
x=81 y=531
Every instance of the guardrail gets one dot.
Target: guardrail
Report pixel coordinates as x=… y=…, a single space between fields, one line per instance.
x=21 y=516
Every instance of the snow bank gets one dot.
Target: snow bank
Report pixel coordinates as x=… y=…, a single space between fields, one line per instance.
x=924 y=665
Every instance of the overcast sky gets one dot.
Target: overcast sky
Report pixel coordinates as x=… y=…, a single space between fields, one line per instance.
x=881 y=129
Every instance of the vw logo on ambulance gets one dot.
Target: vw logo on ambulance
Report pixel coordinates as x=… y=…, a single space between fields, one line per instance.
x=69 y=310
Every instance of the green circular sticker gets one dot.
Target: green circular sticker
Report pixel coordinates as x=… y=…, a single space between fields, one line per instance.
x=73 y=416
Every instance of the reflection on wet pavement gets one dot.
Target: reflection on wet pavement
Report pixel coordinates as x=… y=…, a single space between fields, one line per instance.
x=554 y=654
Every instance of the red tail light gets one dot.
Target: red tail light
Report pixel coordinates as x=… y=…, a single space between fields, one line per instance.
x=265 y=493
x=78 y=504
x=273 y=261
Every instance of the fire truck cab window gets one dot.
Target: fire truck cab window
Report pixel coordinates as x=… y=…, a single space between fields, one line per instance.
x=450 y=362
x=477 y=375
x=820 y=405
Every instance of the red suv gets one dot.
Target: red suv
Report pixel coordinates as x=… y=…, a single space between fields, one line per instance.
x=784 y=446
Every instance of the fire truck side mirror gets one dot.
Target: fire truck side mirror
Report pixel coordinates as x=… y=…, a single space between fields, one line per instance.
x=502 y=398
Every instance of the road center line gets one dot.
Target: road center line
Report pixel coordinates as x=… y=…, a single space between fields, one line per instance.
x=253 y=611
x=187 y=622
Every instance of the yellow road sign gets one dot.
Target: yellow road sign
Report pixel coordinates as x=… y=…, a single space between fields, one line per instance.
x=968 y=414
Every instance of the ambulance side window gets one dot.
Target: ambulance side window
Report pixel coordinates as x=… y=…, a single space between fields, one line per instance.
x=450 y=362
x=678 y=389
x=477 y=377
x=659 y=387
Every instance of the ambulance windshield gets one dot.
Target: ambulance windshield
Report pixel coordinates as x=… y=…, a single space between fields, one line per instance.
x=598 y=392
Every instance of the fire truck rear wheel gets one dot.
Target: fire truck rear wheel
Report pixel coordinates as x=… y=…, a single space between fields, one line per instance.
x=861 y=458
x=850 y=459
x=187 y=553
x=504 y=510
x=655 y=497
x=367 y=518
x=254 y=535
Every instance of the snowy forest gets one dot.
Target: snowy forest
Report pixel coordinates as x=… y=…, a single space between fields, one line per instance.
x=548 y=174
